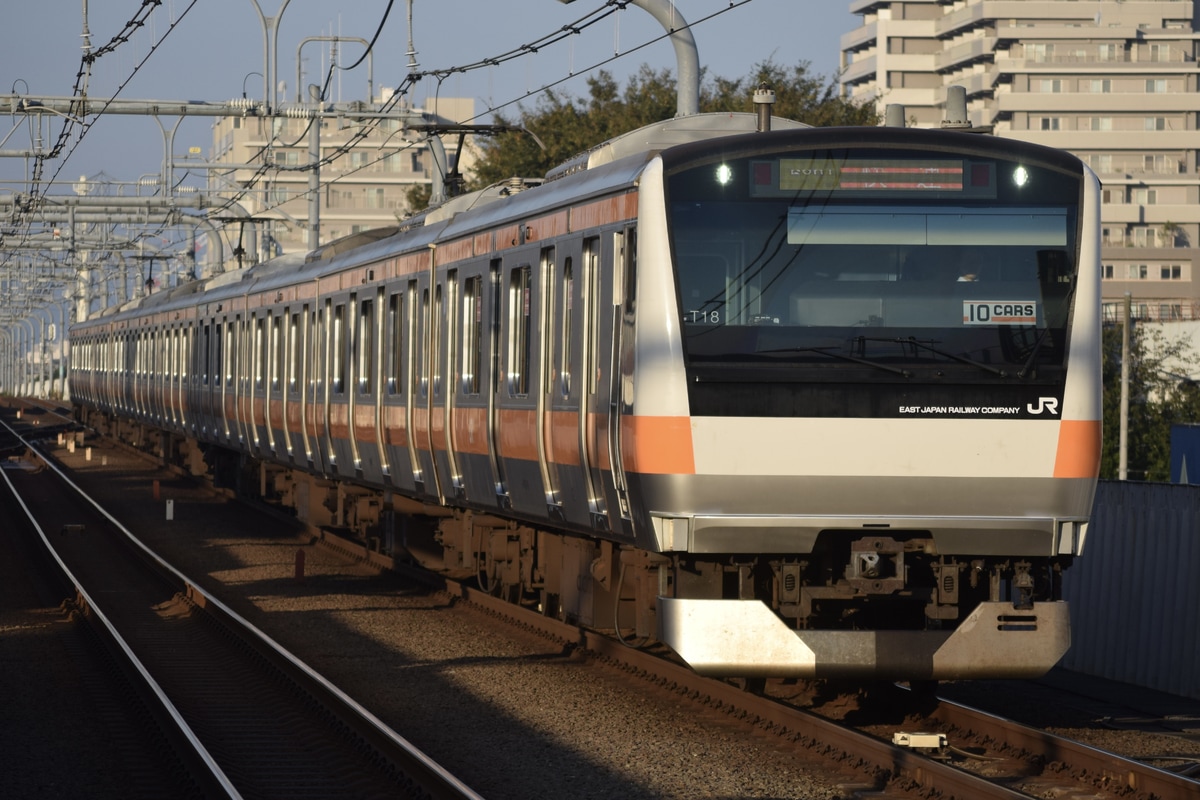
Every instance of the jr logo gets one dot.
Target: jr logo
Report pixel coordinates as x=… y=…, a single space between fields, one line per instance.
x=1047 y=404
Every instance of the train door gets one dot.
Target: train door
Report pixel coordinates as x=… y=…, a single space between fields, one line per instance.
x=339 y=394
x=313 y=388
x=469 y=428
x=276 y=397
x=591 y=397
x=548 y=454
x=421 y=404
x=600 y=418
x=394 y=427
x=519 y=433
x=293 y=383
x=444 y=385
x=495 y=362
x=364 y=394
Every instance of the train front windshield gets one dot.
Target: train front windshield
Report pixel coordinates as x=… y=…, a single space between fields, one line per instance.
x=876 y=266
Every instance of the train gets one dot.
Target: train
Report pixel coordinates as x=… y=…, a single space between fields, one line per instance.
x=794 y=402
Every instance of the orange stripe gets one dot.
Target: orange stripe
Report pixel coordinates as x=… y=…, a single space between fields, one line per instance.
x=562 y=437
x=1078 y=449
x=394 y=431
x=658 y=445
x=470 y=430
x=516 y=434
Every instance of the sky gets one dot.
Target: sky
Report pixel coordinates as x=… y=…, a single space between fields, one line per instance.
x=213 y=50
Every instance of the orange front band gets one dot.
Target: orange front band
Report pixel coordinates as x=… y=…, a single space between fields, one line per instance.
x=1078 y=449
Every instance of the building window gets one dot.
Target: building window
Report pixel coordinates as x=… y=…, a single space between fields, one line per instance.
x=1101 y=123
x=1099 y=86
x=1100 y=162
x=1156 y=123
x=1108 y=271
x=1171 y=272
x=1144 y=197
x=1110 y=52
x=1039 y=52
x=1156 y=86
x=1051 y=123
x=1138 y=272
x=1051 y=86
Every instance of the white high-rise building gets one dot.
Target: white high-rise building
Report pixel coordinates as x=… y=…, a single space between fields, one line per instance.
x=1115 y=82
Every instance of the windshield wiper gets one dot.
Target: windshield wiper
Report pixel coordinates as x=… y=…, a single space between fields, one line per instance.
x=828 y=351
x=1033 y=354
x=917 y=343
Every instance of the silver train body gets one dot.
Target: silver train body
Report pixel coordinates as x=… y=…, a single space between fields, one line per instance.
x=809 y=402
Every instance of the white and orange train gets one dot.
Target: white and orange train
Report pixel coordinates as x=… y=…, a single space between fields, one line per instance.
x=803 y=402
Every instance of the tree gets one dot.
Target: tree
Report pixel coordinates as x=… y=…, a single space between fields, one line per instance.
x=1160 y=395
x=569 y=126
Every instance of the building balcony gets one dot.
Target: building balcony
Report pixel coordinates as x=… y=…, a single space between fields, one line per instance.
x=860 y=38
x=961 y=55
x=865 y=69
x=1051 y=103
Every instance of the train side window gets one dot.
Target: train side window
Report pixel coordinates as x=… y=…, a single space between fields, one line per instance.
x=519 y=330
x=366 y=347
x=472 y=311
x=568 y=300
x=395 y=342
x=337 y=347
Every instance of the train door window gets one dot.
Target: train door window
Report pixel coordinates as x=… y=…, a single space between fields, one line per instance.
x=422 y=323
x=519 y=330
x=564 y=355
x=591 y=277
x=206 y=347
x=218 y=361
x=395 y=327
x=337 y=347
x=630 y=266
x=412 y=351
x=320 y=345
x=294 y=348
x=547 y=318
x=450 y=301
x=472 y=333
x=260 y=351
x=276 y=352
x=366 y=347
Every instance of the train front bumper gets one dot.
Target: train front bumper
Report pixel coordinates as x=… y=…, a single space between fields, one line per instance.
x=744 y=638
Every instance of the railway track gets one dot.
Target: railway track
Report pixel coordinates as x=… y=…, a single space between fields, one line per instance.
x=253 y=720
x=1001 y=759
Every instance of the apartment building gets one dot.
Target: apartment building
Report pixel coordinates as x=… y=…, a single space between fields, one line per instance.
x=1115 y=82
x=364 y=185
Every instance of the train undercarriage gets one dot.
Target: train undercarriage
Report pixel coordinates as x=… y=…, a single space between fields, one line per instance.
x=859 y=605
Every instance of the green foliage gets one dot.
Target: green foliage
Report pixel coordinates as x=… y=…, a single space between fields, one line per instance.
x=568 y=126
x=1159 y=396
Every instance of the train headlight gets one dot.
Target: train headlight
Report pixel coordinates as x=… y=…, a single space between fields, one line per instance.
x=1020 y=176
x=724 y=174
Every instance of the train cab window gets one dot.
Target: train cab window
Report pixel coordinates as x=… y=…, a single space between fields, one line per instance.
x=337 y=346
x=520 y=322
x=395 y=327
x=366 y=347
x=472 y=333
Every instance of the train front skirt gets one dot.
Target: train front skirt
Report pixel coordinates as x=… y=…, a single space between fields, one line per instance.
x=744 y=638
